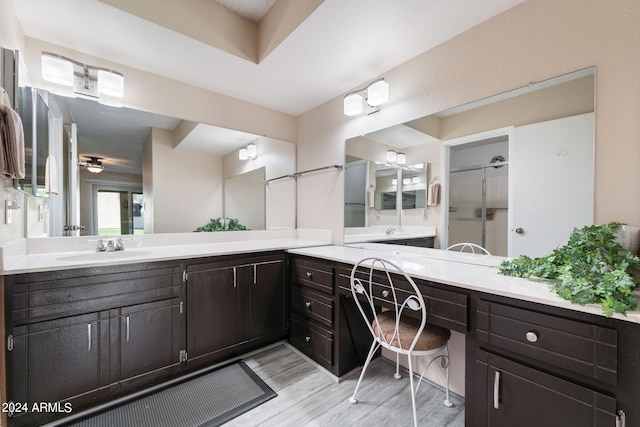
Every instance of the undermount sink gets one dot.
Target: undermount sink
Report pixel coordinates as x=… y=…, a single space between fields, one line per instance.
x=100 y=256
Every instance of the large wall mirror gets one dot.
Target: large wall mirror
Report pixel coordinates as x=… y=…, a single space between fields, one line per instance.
x=125 y=162
x=491 y=158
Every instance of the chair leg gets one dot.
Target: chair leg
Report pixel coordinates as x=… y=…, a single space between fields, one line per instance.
x=447 y=402
x=413 y=393
x=372 y=350
x=397 y=374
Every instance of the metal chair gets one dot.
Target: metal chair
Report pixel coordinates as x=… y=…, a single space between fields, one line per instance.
x=469 y=248
x=403 y=328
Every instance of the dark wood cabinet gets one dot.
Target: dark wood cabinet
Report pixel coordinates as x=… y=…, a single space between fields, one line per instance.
x=535 y=366
x=146 y=340
x=59 y=360
x=325 y=325
x=264 y=305
x=121 y=331
x=509 y=394
x=423 y=242
x=212 y=311
x=233 y=305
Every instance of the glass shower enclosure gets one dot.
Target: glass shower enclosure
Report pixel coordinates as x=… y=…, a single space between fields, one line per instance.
x=478 y=198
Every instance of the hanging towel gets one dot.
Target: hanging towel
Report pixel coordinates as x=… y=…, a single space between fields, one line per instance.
x=12 y=139
x=371 y=195
x=434 y=194
x=51 y=175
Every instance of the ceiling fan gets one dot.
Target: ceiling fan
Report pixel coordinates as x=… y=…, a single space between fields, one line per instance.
x=93 y=165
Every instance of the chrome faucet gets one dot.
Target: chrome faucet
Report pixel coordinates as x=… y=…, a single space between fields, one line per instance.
x=110 y=245
x=389 y=231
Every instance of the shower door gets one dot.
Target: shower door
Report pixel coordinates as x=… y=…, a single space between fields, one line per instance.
x=478 y=202
x=466 y=203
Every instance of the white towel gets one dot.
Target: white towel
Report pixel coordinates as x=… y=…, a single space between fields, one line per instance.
x=51 y=175
x=434 y=194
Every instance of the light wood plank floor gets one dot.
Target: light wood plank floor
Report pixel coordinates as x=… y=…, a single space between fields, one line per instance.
x=309 y=397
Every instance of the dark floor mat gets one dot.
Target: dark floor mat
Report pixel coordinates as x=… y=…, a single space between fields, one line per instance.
x=208 y=400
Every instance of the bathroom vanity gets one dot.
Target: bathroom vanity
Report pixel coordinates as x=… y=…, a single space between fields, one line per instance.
x=83 y=332
x=83 y=328
x=89 y=335
x=531 y=358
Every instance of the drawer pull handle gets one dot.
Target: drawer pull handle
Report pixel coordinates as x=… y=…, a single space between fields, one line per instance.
x=307 y=339
x=531 y=336
x=385 y=293
x=496 y=390
x=309 y=275
x=307 y=304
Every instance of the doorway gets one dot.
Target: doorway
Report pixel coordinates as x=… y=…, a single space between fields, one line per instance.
x=478 y=196
x=118 y=212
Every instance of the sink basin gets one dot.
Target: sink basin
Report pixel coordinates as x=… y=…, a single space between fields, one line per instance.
x=104 y=256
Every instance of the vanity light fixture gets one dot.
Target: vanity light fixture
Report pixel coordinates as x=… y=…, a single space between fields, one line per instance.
x=392 y=156
x=395 y=157
x=377 y=93
x=248 y=152
x=84 y=79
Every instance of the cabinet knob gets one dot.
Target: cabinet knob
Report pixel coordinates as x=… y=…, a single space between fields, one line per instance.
x=309 y=275
x=385 y=293
x=307 y=339
x=531 y=336
x=520 y=230
x=307 y=304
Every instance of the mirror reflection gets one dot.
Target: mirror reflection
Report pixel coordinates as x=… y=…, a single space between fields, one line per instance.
x=134 y=172
x=505 y=164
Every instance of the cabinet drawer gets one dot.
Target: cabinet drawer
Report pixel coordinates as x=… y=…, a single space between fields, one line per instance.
x=445 y=308
x=313 y=340
x=312 y=305
x=37 y=297
x=312 y=274
x=575 y=346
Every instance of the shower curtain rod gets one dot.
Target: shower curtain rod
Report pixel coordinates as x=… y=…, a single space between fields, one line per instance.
x=297 y=174
x=478 y=167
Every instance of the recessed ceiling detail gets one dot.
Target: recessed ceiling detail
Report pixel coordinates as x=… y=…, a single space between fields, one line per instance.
x=253 y=10
x=227 y=25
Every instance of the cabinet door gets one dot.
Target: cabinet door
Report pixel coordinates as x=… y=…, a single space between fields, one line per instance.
x=264 y=305
x=213 y=312
x=147 y=338
x=59 y=360
x=512 y=394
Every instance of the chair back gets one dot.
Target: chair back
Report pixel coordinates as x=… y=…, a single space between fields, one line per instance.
x=379 y=283
x=469 y=249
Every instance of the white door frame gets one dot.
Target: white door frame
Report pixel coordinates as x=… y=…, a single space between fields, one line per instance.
x=445 y=159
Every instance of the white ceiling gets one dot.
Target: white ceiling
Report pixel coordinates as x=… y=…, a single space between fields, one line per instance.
x=340 y=46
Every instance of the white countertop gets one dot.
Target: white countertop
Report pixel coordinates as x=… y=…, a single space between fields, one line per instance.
x=61 y=253
x=465 y=271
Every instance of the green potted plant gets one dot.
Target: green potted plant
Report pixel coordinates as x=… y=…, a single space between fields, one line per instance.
x=591 y=268
x=222 y=224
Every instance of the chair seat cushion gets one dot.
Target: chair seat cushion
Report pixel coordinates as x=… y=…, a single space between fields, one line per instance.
x=432 y=336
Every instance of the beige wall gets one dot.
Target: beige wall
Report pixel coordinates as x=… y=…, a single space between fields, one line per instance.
x=186 y=187
x=278 y=159
x=534 y=41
